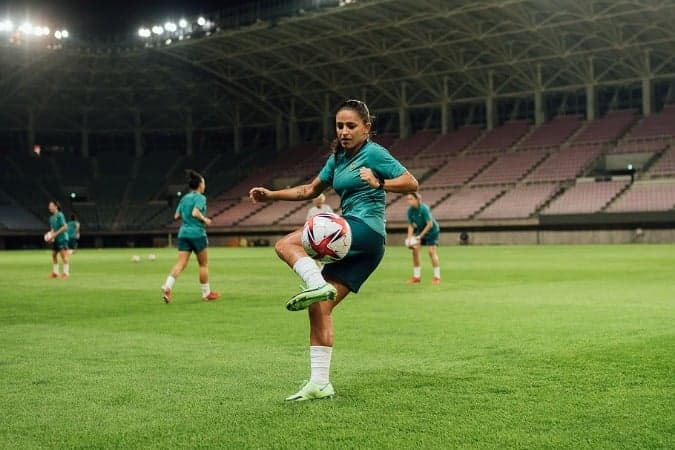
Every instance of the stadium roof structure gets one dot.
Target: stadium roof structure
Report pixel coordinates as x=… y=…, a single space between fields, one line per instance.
x=396 y=54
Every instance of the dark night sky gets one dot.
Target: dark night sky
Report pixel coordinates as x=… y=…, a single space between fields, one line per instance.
x=108 y=17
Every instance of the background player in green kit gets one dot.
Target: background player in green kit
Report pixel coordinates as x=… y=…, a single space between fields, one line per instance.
x=59 y=229
x=425 y=229
x=360 y=171
x=73 y=233
x=192 y=237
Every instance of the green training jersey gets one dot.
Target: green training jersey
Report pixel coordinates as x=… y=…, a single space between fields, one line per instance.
x=56 y=221
x=72 y=229
x=358 y=198
x=418 y=218
x=191 y=227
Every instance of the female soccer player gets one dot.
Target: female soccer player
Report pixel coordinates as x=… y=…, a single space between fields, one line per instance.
x=425 y=229
x=59 y=229
x=73 y=233
x=192 y=237
x=360 y=171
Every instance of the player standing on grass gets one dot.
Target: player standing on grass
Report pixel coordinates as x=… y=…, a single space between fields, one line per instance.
x=192 y=237
x=73 y=233
x=360 y=171
x=59 y=229
x=424 y=229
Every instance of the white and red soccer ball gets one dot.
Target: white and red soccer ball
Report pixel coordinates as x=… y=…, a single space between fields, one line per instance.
x=326 y=237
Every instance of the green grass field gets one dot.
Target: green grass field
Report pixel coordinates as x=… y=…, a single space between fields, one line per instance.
x=521 y=347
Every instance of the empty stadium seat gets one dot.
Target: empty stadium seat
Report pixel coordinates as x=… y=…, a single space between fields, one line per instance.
x=411 y=146
x=661 y=124
x=501 y=138
x=566 y=164
x=646 y=196
x=665 y=165
x=608 y=128
x=585 y=197
x=458 y=171
x=509 y=168
x=397 y=211
x=453 y=142
x=553 y=133
x=520 y=202
x=465 y=203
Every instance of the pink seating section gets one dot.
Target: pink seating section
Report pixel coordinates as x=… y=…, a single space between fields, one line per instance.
x=501 y=138
x=566 y=164
x=607 y=129
x=585 y=197
x=453 y=142
x=644 y=197
x=273 y=213
x=398 y=210
x=242 y=188
x=458 y=171
x=660 y=124
x=553 y=133
x=665 y=165
x=237 y=213
x=633 y=146
x=409 y=147
x=465 y=203
x=509 y=168
x=520 y=202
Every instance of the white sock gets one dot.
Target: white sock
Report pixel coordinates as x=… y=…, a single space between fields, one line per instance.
x=66 y=269
x=206 y=289
x=55 y=268
x=168 y=284
x=417 y=272
x=310 y=273
x=437 y=272
x=319 y=359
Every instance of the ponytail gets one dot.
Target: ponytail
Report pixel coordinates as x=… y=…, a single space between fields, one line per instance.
x=194 y=179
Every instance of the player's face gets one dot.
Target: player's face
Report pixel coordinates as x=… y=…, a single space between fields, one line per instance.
x=412 y=201
x=52 y=207
x=351 y=130
x=202 y=186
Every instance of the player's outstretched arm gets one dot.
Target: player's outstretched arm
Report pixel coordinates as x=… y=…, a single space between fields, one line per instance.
x=302 y=192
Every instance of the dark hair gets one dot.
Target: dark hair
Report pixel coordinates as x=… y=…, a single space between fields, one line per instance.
x=56 y=203
x=73 y=216
x=361 y=109
x=194 y=179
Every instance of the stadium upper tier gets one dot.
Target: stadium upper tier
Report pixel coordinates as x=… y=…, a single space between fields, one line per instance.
x=460 y=181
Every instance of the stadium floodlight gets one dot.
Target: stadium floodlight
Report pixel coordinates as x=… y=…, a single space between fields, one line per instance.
x=168 y=42
x=65 y=34
x=158 y=29
x=201 y=21
x=6 y=25
x=57 y=34
x=144 y=32
x=170 y=27
x=26 y=28
x=182 y=23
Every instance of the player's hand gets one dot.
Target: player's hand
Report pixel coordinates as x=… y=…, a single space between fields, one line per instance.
x=369 y=177
x=207 y=221
x=259 y=194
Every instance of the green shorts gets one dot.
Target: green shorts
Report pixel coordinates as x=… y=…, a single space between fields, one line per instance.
x=363 y=258
x=192 y=244
x=57 y=246
x=430 y=239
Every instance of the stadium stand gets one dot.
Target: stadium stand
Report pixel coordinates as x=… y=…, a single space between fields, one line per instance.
x=586 y=197
x=665 y=166
x=509 y=168
x=465 y=203
x=655 y=126
x=398 y=209
x=14 y=217
x=520 y=202
x=272 y=214
x=633 y=146
x=501 y=138
x=386 y=140
x=238 y=212
x=607 y=129
x=551 y=134
x=458 y=171
x=646 y=196
x=452 y=143
x=567 y=163
x=410 y=147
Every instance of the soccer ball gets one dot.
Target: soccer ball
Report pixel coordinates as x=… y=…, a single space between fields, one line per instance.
x=326 y=237
x=135 y=259
x=49 y=236
x=411 y=241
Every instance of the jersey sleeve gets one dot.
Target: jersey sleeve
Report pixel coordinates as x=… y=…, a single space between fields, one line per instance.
x=385 y=165
x=60 y=221
x=326 y=173
x=426 y=213
x=200 y=203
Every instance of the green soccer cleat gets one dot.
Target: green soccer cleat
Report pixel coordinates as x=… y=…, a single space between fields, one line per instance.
x=312 y=391
x=307 y=297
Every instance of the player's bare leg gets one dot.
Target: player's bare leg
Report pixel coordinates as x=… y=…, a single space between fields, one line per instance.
x=203 y=260
x=417 y=269
x=181 y=264
x=65 y=259
x=436 y=263
x=55 y=265
x=321 y=337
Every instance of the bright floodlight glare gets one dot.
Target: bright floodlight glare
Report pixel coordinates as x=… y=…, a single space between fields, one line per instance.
x=6 y=25
x=157 y=29
x=144 y=32
x=182 y=23
x=167 y=42
x=25 y=27
x=57 y=34
x=201 y=21
x=170 y=27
